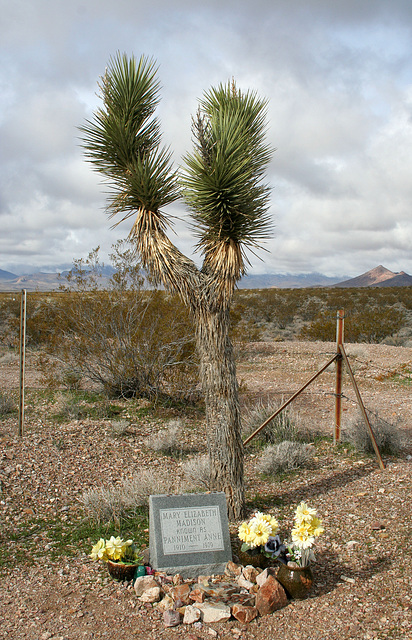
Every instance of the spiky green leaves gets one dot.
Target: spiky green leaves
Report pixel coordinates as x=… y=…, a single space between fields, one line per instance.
x=224 y=178
x=123 y=139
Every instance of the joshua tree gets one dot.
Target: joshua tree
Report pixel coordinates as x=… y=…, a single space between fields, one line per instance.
x=222 y=183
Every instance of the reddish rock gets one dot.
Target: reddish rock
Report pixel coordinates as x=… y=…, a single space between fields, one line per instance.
x=263 y=576
x=144 y=583
x=233 y=569
x=244 y=614
x=181 y=593
x=171 y=618
x=270 y=597
x=251 y=573
x=197 y=595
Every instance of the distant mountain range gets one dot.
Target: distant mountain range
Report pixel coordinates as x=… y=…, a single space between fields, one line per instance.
x=377 y=277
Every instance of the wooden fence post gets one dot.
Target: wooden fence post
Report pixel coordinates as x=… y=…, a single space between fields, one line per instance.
x=338 y=385
x=22 y=358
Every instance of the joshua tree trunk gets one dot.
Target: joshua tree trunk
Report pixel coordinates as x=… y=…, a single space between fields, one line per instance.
x=220 y=389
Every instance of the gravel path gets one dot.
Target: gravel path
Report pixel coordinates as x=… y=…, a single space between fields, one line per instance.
x=363 y=573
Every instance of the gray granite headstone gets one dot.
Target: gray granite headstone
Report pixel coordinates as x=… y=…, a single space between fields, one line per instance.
x=189 y=534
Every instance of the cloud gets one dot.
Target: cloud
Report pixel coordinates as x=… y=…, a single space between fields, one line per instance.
x=338 y=77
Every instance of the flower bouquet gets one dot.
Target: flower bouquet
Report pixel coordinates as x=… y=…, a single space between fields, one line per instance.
x=259 y=537
x=307 y=527
x=122 y=556
x=296 y=574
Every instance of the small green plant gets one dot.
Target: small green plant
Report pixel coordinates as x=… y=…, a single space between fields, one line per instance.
x=70 y=409
x=71 y=379
x=285 y=456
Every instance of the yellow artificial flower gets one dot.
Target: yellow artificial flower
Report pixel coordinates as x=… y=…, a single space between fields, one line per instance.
x=261 y=531
x=99 y=550
x=268 y=519
x=316 y=528
x=304 y=513
x=301 y=536
x=244 y=532
x=116 y=547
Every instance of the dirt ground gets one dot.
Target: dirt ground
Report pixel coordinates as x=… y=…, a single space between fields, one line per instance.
x=363 y=573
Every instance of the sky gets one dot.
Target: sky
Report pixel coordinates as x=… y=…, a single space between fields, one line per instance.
x=338 y=79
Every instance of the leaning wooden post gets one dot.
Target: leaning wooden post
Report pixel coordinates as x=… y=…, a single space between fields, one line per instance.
x=338 y=385
x=22 y=357
x=285 y=404
x=362 y=407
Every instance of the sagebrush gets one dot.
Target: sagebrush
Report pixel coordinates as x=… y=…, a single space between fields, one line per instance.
x=387 y=435
x=104 y=504
x=285 y=456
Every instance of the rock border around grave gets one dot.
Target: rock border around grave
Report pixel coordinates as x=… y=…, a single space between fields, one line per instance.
x=242 y=592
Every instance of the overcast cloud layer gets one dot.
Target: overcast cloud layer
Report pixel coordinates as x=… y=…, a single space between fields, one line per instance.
x=338 y=76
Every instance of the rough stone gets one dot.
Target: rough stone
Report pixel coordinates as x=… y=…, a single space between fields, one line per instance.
x=150 y=595
x=233 y=569
x=251 y=573
x=143 y=583
x=270 y=597
x=214 y=612
x=171 y=618
x=166 y=603
x=244 y=614
x=197 y=595
x=181 y=592
x=191 y=615
x=263 y=576
x=243 y=583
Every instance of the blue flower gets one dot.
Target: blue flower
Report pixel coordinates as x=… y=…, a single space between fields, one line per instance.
x=274 y=547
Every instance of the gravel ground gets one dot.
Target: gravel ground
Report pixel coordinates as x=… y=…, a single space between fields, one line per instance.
x=363 y=570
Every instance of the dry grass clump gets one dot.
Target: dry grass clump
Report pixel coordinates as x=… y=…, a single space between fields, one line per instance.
x=126 y=498
x=284 y=456
x=197 y=472
x=388 y=437
x=119 y=427
x=7 y=405
x=282 y=427
x=167 y=441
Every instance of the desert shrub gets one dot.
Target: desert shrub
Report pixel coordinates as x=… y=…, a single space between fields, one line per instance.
x=282 y=427
x=7 y=405
x=197 y=472
x=119 y=427
x=126 y=338
x=68 y=407
x=168 y=440
x=371 y=316
x=104 y=504
x=387 y=435
x=323 y=328
x=284 y=456
x=71 y=380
